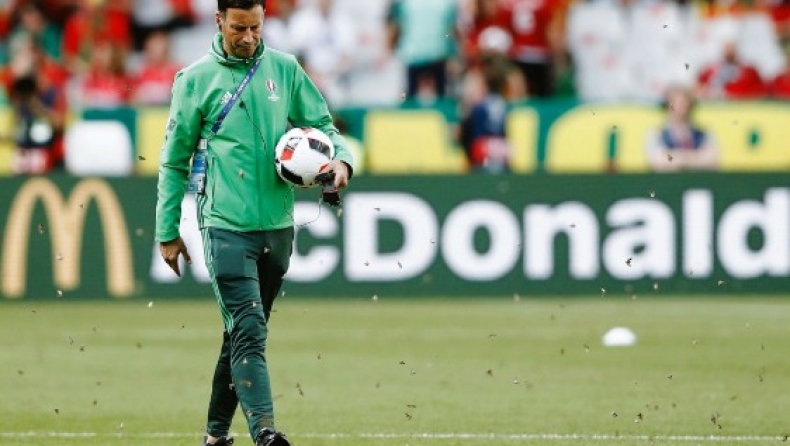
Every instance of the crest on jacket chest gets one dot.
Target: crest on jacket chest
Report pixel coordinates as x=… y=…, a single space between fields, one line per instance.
x=272 y=87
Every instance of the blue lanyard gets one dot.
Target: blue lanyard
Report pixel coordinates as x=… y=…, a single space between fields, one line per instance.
x=228 y=105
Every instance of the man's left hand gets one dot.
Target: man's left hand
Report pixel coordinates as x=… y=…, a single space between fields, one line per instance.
x=341 y=172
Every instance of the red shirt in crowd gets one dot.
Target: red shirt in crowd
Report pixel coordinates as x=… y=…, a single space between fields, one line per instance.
x=102 y=89
x=780 y=87
x=184 y=8
x=734 y=81
x=780 y=13
x=92 y=27
x=54 y=72
x=529 y=22
x=49 y=74
x=153 y=84
x=5 y=25
x=474 y=28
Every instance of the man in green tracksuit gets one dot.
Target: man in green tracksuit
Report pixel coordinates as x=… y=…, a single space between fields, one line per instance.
x=244 y=208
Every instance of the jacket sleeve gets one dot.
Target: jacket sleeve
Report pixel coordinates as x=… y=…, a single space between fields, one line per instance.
x=181 y=137
x=309 y=109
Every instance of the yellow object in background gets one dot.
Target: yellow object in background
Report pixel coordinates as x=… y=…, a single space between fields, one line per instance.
x=523 y=127
x=751 y=136
x=588 y=138
x=151 y=124
x=579 y=141
x=414 y=141
x=358 y=152
x=6 y=141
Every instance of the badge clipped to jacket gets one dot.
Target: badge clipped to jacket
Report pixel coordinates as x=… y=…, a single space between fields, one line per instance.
x=197 y=173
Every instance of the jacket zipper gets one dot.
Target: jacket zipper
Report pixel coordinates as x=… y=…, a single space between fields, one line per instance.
x=258 y=180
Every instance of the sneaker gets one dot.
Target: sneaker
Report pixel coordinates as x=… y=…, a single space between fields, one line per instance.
x=269 y=437
x=223 y=441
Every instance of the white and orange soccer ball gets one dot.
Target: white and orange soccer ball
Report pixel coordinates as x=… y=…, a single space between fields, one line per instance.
x=301 y=154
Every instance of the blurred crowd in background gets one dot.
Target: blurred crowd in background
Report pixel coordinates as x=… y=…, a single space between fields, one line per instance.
x=61 y=55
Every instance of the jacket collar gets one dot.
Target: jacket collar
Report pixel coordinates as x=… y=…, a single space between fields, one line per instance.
x=218 y=53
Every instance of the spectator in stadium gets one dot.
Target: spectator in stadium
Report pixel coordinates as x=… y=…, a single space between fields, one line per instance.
x=153 y=82
x=479 y=18
x=730 y=78
x=202 y=29
x=31 y=22
x=95 y=23
x=495 y=44
x=779 y=11
x=246 y=210
x=325 y=39
x=482 y=131
x=717 y=8
x=5 y=21
x=424 y=34
x=780 y=86
x=151 y=16
x=562 y=67
x=536 y=29
x=485 y=35
x=601 y=66
x=105 y=84
x=39 y=110
x=276 y=33
x=29 y=44
x=679 y=144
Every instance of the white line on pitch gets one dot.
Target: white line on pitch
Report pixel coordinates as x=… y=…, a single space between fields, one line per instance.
x=424 y=435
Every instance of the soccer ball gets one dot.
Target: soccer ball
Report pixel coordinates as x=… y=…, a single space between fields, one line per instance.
x=301 y=154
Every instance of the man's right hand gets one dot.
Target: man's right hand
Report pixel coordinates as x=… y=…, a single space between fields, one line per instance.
x=170 y=252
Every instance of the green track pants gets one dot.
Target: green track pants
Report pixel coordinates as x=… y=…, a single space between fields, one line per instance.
x=247 y=270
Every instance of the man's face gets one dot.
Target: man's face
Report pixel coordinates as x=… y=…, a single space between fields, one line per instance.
x=680 y=105
x=241 y=30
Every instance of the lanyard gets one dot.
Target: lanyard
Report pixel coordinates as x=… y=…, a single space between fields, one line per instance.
x=228 y=105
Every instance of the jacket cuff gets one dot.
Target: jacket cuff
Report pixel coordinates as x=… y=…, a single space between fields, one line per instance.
x=164 y=237
x=350 y=168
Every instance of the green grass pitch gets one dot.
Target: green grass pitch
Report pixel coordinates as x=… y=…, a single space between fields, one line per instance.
x=472 y=371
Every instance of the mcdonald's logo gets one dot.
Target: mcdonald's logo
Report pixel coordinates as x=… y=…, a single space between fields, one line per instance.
x=66 y=221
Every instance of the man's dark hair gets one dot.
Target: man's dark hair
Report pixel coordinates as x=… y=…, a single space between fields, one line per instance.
x=223 y=5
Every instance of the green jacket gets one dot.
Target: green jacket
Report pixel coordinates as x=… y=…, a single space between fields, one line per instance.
x=243 y=191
